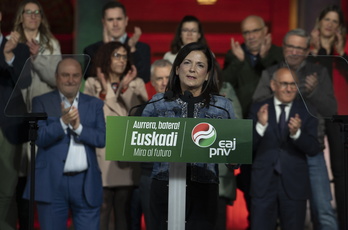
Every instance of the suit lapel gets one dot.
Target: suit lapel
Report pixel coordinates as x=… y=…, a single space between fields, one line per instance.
x=272 y=117
x=54 y=105
x=82 y=107
x=293 y=109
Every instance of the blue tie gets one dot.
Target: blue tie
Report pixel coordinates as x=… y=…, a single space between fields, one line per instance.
x=281 y=125
x=282 y=121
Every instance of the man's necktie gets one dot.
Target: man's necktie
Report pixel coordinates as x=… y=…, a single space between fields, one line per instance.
x=282 y=120
x=281 y=125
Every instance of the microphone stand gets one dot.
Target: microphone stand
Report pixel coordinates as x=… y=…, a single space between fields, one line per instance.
x=168 y=95
x=32 y=119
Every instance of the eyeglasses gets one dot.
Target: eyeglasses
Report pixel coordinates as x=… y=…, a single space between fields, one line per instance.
x=298 y=48
x=189 y=31
x=284 y=84
x=249 y=32
x=120 y=56
x=29 y=13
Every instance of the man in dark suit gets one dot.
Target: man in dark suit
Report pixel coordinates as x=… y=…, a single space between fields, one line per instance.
x=13 y=130
x=115 y=21
x=284 y=133
x=316 y=89
x=67 y=173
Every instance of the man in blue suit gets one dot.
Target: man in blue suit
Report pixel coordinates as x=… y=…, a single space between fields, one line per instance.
x=67 y=174
x=284 y=133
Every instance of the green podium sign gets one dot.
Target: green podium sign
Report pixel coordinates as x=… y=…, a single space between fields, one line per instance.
x=160 y=139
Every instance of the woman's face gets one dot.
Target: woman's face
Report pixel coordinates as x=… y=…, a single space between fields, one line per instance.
x=119 y=61
x=193 y=72
x=329 y=24
x=190 y=32
x=31 y=17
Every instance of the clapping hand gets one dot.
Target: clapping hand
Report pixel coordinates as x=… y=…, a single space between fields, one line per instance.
x=102 y=80
x=294 y=124
x=130 y=76
x=34 y=47
x=237 y=50
x=106 y=36
x=262 y=115
x=311 y=82
x=70 y=116
x=339 y=44
x=265 y=45
x=134 y=39
x=10 y=45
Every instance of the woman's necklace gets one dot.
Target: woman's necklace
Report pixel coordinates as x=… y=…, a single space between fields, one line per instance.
x=114 y=86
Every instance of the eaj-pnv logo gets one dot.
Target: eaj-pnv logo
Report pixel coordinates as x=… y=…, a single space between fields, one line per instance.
x=203 y=135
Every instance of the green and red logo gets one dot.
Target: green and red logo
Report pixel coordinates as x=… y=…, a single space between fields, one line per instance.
x=203 y=135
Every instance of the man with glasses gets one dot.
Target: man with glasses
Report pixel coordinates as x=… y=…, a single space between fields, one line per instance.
x=313 y=78
x=316 y=89
x=243 y=67
x=284 y=134
x=115 y=21
x=244 y=63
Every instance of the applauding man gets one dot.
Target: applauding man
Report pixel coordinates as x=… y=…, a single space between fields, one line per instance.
x=67 y=175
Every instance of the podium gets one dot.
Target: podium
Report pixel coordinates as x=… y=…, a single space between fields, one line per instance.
x=178 y=141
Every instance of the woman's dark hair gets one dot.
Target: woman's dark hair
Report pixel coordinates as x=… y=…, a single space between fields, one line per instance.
x=209 y=87
x=177 y=41
x=333 y=8
x=338 y=10
x=104 y=55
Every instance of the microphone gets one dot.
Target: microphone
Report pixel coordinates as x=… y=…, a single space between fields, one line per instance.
x=188 y=97
x=168 y=95
x=188 y=94
x=222 y=108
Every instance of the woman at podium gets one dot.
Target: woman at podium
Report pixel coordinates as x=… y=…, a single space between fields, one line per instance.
x=192 y=91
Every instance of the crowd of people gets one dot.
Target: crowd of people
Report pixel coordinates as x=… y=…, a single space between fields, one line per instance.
x=287 y=91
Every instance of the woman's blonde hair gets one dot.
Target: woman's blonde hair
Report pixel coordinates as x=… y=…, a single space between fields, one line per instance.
x=44 y=29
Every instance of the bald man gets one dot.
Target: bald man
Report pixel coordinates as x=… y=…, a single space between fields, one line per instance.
x=284 y=135
x=245 y=62
x=243 y=66
x=316 y=88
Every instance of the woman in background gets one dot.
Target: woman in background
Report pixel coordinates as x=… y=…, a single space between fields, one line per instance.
x=32 y=28
x=189 y=30
x=329 y=35
x=120 y=88
x=329 y=38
